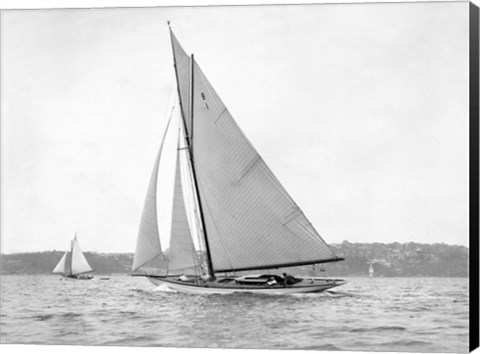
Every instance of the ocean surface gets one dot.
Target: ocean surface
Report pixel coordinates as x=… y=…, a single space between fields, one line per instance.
x=377 y=314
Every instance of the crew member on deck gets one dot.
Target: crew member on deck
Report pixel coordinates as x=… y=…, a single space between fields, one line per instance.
x=288 y=280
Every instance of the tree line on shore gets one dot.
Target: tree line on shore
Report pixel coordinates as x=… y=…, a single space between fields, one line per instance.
x=361 y=259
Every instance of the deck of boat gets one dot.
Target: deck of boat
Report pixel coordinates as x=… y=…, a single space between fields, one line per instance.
x=227 y=285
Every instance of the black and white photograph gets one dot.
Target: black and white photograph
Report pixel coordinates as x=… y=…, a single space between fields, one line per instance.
x=269 y=176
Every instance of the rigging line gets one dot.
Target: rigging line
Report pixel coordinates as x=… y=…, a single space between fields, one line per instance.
x=215 y=225
x=194 y=202
x=195 y=229
x=192 y=158
x=180 y=195
x=195 y=261
x=181 y=103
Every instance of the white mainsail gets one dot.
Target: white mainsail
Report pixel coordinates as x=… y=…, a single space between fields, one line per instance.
x=251 y=221
x=60 y=268
x=79 y=262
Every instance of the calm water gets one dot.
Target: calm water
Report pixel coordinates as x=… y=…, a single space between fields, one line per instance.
x=380 y=314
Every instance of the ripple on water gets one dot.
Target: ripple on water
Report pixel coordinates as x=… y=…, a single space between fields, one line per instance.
x=42 y=317
x=364 y=314
x=378 y=329
x=406 y=343
x=325 y=347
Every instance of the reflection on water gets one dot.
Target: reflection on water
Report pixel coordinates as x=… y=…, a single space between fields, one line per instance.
x=371 y=314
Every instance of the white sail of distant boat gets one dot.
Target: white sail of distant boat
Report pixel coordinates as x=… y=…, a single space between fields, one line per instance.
x=73 y=263
x=61 y=266
x=245 y=219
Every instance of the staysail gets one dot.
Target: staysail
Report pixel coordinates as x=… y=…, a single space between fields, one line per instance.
x=251 y=221
x=60 y=268
x=181 y=254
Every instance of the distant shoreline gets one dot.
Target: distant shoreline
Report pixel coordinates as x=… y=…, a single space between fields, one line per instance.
x=394 y=260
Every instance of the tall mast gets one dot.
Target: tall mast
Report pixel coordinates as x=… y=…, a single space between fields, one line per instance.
x=189 y=140
x=194 y=174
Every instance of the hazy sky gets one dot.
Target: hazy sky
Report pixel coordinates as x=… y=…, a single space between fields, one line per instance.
x=360 y=110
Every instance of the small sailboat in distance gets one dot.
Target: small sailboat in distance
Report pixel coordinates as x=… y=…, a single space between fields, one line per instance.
x=244 y=220
x=73 y=264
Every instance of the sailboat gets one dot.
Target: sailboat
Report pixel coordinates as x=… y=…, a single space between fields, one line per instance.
x=73 y=264
x=245 y=224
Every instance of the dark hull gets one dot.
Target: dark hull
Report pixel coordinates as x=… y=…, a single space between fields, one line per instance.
x=79 y=277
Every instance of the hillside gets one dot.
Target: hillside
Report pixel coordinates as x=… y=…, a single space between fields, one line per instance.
x=400 y=259
x=44 y=262
x=389 y=260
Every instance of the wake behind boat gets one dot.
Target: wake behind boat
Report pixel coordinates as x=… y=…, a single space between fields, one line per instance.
x=73 y=264
x=243 y=219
